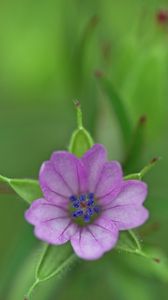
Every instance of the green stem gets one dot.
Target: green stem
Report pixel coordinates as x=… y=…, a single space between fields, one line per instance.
x=4 y=180
x=41 y=260
x=135 y=239
x=79 y=114
x=63 y=266
x=79 y=118
x=141 y=253
x=31 y=289
x=144 y=171
x=37 y=280
x=147 y=168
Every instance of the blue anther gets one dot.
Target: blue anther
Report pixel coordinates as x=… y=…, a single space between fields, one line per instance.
x=76 y=204
x=73 y=198
x=82 y=197
x=84 y=206
x=90 y=202
x=74 y=214
x=96 y=209
x=90 y=195
x=79 y=213
x=86 y=218
x=89 y=212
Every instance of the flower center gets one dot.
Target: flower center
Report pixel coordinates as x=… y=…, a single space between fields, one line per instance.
x=84 y=208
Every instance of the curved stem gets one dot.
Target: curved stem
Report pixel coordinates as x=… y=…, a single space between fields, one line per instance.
x=41 y=260
x=144 y=171
x=63 y=266
x=31 y=289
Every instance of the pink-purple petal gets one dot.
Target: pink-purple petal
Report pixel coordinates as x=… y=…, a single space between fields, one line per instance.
x=56 y=232
x=54 y=197
x=52 y=222
x=53 y=181
x=109 y=198
x=41 y=211
x=93 y=241
x=71 y=169
x=94 y=160
x=120 y=202
x=127 y=216
x=110 y=180
x=132 y=192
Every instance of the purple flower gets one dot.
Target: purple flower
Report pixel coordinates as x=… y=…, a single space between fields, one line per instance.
x=86 y=201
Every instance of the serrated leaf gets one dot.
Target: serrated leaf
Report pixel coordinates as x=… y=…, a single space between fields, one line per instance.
x=27 y=189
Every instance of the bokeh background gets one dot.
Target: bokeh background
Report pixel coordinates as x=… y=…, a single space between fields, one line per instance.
x=50 y=51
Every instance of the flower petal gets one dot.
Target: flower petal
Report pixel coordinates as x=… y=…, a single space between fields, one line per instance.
x=131 y=192
x=52 y=181
x=110 y=180
x=54 y=197
x=64 y=175
x=94 y=160
x=41 y=211
x=71 y=169
x=93 y=241
x=127 y=216
x=52 y=223
x=56 y=232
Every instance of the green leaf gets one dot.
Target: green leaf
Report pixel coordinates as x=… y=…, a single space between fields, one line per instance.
x=80 y=50
x=129 y=242
x=81 y=140
x=27 y=189
x=54 y=260
x=136 y=146
x=118 y=107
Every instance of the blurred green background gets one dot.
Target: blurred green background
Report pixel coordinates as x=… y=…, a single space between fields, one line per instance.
x=49 y=53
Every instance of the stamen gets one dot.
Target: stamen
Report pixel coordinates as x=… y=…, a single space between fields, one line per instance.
x=86 y=218
x=84 y=207
x=90 y=202
x=96 y=209
x=89 y=212
x=76 y=204
x=79 y=213
x=91 y=195
x=82 y=197
x=73 y=198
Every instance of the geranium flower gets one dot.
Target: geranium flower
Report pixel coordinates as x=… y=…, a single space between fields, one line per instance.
x=87 y=202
